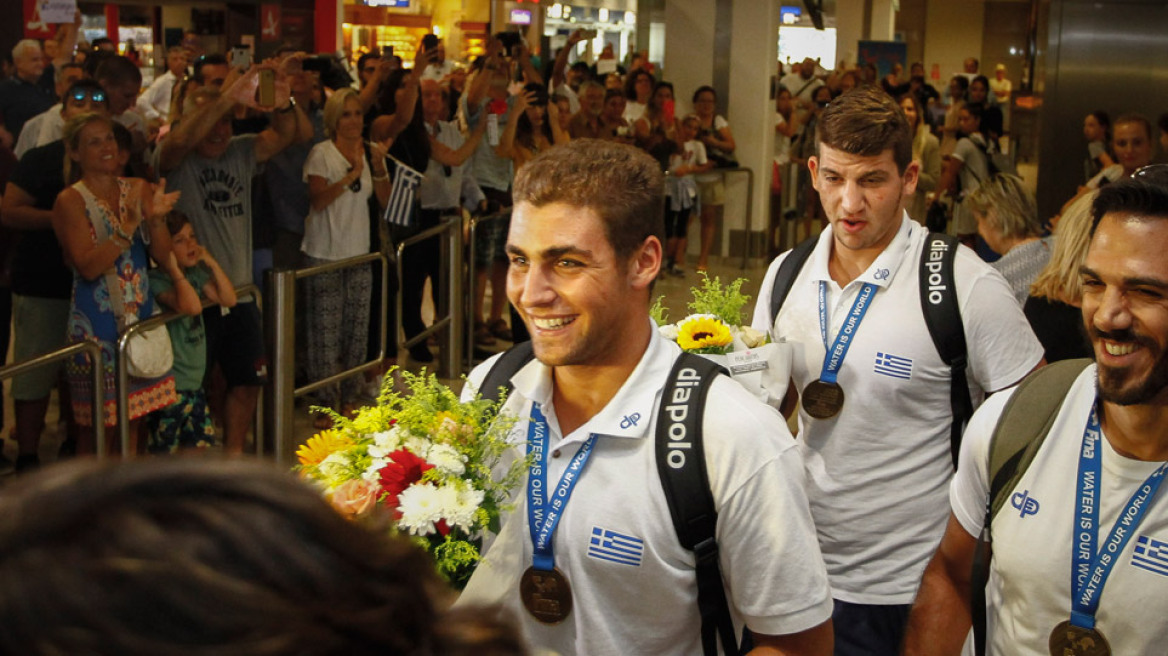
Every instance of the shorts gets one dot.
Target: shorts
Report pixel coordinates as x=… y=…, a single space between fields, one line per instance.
x=39 y=325
x=491 y=236
x=185 y=424
x=235 y=341
x=712 y=192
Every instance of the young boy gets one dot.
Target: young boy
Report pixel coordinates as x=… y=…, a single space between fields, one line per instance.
x=689 y=157
x=186 y=424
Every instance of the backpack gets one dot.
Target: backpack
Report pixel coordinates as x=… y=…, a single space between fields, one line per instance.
x=996 y=162
x=1018 y=435
x=939 y=305
x=684 y=479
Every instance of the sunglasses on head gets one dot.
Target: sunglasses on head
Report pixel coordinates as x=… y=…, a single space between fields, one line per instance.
x=81 y=95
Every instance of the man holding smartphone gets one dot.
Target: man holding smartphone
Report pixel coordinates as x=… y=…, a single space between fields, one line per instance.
x=438 y=67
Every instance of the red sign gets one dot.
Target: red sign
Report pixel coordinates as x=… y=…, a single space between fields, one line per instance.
x=269 y=22
x=34 y=27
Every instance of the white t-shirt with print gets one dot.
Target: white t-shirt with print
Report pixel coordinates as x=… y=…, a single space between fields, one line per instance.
x=1030 y=574
x=341 y=229
x=878 y=472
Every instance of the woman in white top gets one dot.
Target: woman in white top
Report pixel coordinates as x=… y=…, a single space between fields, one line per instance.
x=638 y=90
x=926 y=151
x=340 y=181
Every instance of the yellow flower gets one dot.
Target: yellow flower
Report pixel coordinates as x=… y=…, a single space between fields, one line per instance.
x=703 y=331
x=318 y=447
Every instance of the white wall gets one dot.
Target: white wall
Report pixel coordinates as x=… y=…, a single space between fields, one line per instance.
x=689 y=47
x=953 y=31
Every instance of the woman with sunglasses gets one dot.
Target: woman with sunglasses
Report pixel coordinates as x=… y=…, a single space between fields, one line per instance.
x=340 y=181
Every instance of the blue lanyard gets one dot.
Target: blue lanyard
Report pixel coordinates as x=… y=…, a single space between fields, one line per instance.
x=1090 y=568
x=542 y=515
x=834 y=358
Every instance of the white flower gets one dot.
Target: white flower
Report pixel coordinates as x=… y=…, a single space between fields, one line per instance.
x=385 y=442
x=421 y=505
x=418 y=446
x=373 y=472
x=462 y=512
x=668 y=331
x=447 y=459
x=335 y=468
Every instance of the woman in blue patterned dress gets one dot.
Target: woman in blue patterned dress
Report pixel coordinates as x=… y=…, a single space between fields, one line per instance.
x=100 y=224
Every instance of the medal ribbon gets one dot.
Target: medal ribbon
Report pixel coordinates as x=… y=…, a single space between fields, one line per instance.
x=1090 y=568
x=834 y=358
x=543 y=515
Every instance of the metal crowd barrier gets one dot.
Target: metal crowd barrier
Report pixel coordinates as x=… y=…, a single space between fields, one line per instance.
x=468 y=304
x=123 y=373
x=93 y=350
x=280 y=326
x=450 y=355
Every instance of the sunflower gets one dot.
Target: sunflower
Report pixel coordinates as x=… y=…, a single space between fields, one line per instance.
x=320 y=446
x=704 y=333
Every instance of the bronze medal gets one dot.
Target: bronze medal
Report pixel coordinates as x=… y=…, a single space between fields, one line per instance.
x=822 y=400
x=1070 y=640
x=546 y=595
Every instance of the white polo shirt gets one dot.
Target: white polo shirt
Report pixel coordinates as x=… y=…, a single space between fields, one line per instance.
x=1030 y=574
x=769 y=558
x=877 y=473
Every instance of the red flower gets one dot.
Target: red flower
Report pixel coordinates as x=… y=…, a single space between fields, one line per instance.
x=403 y=470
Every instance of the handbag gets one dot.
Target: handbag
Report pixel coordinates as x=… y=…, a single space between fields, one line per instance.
x=149 y=353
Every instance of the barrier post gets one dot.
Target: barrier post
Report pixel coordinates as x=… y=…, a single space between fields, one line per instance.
x=87 y=347
x=281 y=337
x=450 y=356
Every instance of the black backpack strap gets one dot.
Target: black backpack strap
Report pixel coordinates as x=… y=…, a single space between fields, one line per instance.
x=1018 y=435
x=788 y=270
x=681 y=465
x=943 y=318
x=498 y=379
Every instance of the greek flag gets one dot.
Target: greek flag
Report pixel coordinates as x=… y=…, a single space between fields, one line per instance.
x=400 y=209
x=616 y=547
x=1151 y=554
x=894 y=366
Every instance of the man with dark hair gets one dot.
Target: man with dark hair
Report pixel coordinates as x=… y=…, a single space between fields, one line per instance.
x=585 y=247
x=41 y=283
x=1083 y=518
x=213 y=169
x=209 y=71
x=876 y=412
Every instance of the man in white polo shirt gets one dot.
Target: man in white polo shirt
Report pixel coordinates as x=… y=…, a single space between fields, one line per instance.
x=876 y=442
x=585 y=247
x=1080 y=548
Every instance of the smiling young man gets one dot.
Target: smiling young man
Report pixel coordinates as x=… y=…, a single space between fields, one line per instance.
x=876 y=444
x=585 y=247
x=1092 y=523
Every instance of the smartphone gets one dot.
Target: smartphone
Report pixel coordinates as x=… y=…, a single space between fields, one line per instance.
x=667 y=109
x=266 y=94
x=319 y=64
x=430 y=43
x=241 y=57
x=387 y=52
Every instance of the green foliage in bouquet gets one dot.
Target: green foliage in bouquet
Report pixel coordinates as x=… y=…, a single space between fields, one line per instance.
x=725 y=302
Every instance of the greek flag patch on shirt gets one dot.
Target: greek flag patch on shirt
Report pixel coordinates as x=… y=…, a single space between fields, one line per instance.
x=1151 y=554
x=893 y=366
x=616 y=547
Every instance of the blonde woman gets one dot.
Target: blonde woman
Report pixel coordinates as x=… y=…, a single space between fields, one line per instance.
x=926 y=150
x=1057 y=292
x=340 y=181
x=106 y=224
x=1007 y=219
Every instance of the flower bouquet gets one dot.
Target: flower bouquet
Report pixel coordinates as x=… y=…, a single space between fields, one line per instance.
x=422 y=463
x=715 y=330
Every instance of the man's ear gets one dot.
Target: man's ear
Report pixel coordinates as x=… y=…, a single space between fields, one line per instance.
x=645 y=264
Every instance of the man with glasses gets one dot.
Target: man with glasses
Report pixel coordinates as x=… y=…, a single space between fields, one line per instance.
x=154 y=103
x=41 y=283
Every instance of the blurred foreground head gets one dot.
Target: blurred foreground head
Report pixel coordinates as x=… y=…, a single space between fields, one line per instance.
x=211 y=557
